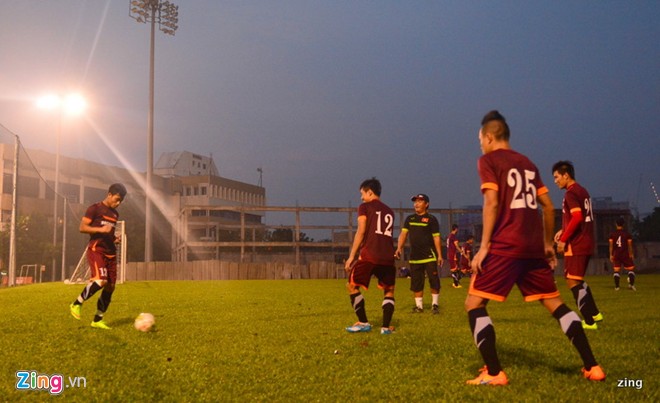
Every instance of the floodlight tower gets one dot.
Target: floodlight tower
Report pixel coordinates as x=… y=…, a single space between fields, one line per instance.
x=166 y=15
x=71 y=104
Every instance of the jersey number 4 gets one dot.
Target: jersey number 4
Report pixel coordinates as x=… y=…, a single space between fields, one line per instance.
x=524 y=191
x=387 y=222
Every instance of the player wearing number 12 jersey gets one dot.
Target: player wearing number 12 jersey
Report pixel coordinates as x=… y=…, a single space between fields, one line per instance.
x=516 y=248
x=373 y=239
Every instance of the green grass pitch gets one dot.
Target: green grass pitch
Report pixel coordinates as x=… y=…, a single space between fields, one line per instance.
x=285 y=341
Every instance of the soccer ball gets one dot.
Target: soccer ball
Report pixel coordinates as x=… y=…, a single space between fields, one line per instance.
x=144 y=322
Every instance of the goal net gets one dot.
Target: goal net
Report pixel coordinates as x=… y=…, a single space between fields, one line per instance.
x=81 y=273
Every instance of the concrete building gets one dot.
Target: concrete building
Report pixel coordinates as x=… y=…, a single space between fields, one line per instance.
x=181 y=180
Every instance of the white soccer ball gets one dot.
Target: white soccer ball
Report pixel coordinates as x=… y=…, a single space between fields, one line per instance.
x=144 y=322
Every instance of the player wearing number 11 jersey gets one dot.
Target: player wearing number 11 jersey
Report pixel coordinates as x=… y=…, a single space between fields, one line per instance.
x=373 y=239
x=516 y=248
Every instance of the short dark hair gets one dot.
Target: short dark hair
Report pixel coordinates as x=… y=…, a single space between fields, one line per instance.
x=564 y=167
x=454 y=226
x=117 y=189
x=470 y=237
x=620 y=222
x=493 y=122
x=372 y=184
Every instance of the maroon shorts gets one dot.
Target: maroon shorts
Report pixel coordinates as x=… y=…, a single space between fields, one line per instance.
x=575 y=267
x=534 y=278
x=362 y=271
x=102 y=266
x=625 y=261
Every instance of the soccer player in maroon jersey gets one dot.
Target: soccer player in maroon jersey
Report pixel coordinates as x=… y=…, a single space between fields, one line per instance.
x=373 y=239
x=452 y=256
x=622 y=254
x=466 y=256
x=99 y=222
x=516 y=248
x=576 y=240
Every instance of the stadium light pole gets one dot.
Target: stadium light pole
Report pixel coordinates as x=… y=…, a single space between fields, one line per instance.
x=166 y=15
x=71 y=104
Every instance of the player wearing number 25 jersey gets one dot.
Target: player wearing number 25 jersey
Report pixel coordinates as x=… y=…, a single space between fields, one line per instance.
x=518 y=231
x=374 y=240
x=516 y=249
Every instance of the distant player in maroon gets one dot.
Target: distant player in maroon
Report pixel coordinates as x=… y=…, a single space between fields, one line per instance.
x=373 y=239
x=453 y=251
x=466 y=256
x=99 y=222
x=622 y=254
x=576 y=240
x=516 y=248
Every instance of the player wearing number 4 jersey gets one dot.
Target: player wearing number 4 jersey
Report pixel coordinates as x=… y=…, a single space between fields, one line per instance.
x=516 y=248
x=373 y=239
x=622 y=254
x=576 y=240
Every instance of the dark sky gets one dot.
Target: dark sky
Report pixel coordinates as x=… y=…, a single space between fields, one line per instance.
x=323 y=94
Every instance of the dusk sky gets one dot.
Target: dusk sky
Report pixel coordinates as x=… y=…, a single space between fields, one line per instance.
x=323 y=94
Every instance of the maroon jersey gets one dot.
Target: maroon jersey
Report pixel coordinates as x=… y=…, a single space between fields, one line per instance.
x=101 y=215
x=581 y=241
x=518 y=230
x=451 y=247
x=467 y=250
x=377 y=246
x=619 y=240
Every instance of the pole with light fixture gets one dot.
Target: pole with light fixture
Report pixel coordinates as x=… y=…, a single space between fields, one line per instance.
x=72 y=104
x=166 y=15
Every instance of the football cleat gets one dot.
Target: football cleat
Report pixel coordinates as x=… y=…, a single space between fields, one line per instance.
x=359 y=327
x=616 y=288
x=596 y=373
x=75 y=310
x=435 y=309
x=485 y=379
x=417 y=309
x=632 y=287
x=387 y=330
x=457 y=286
x=100 y=325
x=585 y=325
x=599 y=317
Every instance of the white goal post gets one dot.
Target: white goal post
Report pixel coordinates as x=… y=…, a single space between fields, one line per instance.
x=81 y=274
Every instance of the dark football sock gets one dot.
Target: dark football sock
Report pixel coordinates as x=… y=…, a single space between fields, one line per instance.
x=102 y=304
x=617 y=279
x=89 y=290
x=572 y=327
x=585 y=302
x=631 y=278
x=483 y=333
x=388 y=310
x=357 y=300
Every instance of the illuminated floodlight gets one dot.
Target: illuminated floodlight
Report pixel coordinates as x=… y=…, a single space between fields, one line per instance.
x=72 y=104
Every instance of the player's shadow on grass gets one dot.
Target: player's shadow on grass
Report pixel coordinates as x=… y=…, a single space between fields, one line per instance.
x=121 y=321
x=531 y=359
